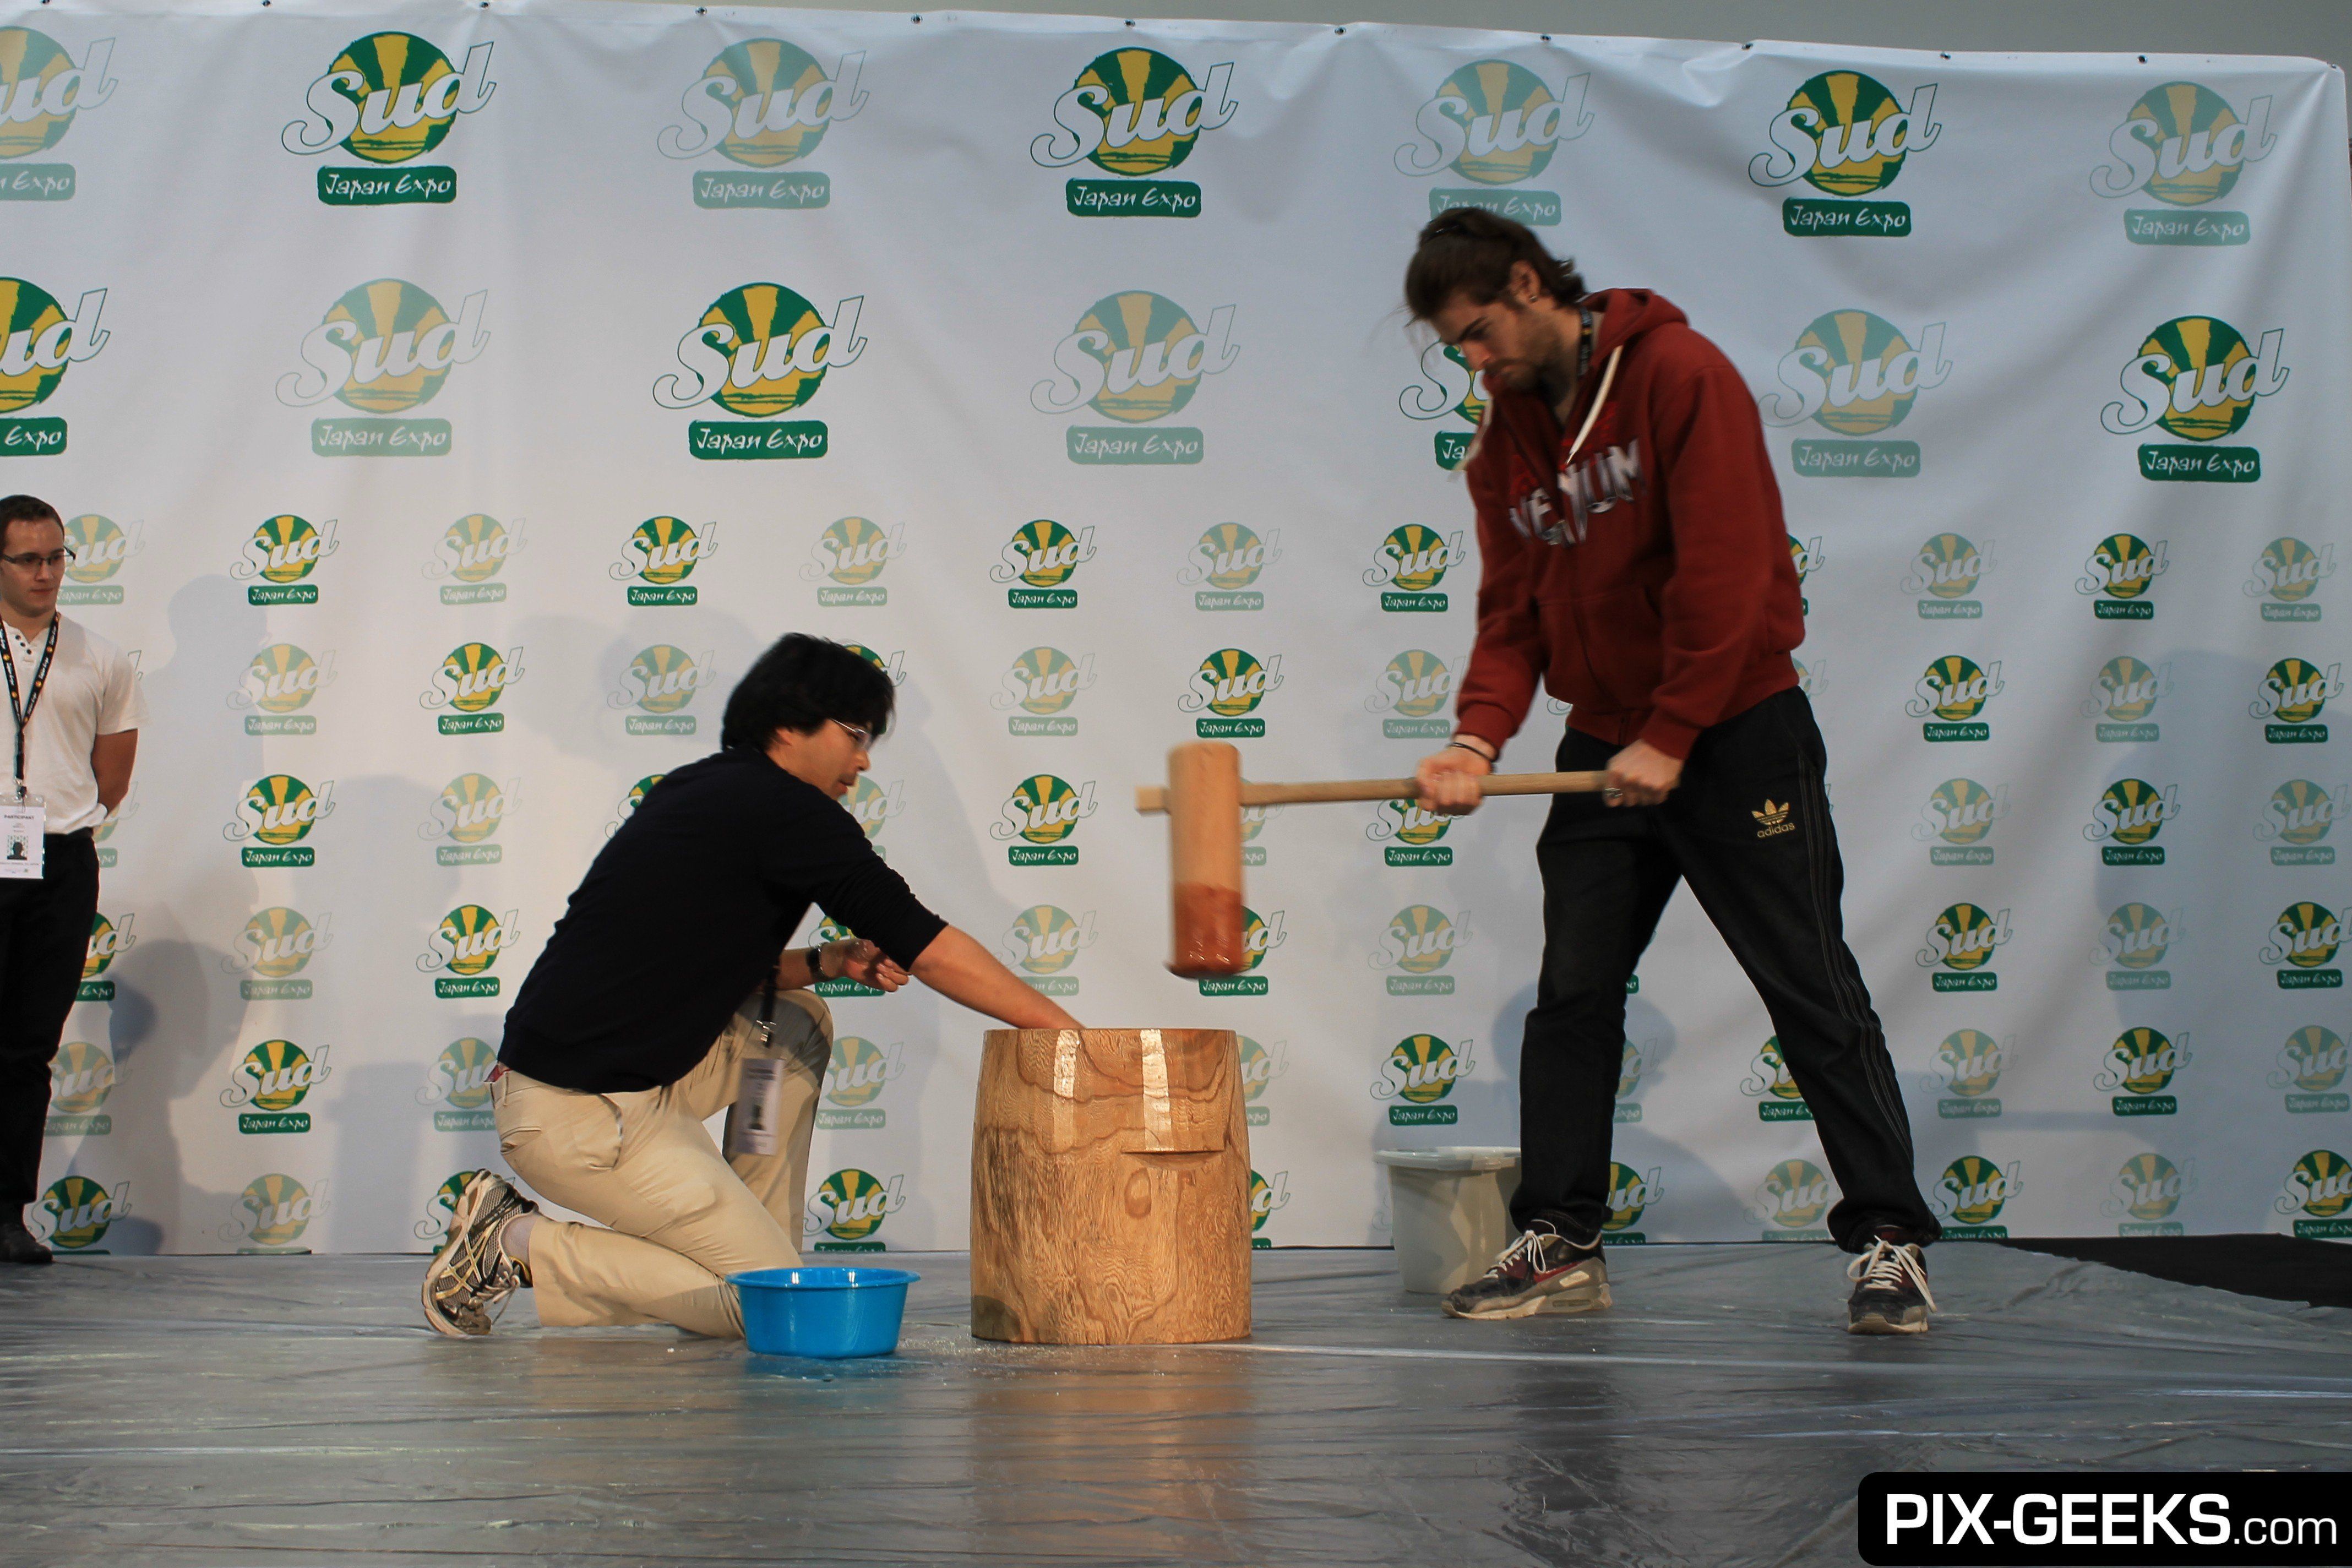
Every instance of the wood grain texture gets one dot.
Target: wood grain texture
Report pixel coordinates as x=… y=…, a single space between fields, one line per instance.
x=1110 y=1188
x=1152 y=798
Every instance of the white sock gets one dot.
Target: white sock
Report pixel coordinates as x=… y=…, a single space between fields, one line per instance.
x=514 y=1237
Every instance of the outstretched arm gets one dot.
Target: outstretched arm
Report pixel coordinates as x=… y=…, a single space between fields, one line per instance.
x=961 y=970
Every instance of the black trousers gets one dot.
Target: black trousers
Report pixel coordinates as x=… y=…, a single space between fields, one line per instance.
x=1748 y=828
x=44 y=941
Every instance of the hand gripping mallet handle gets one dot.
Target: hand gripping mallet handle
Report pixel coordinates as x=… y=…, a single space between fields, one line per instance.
x=1203 y=801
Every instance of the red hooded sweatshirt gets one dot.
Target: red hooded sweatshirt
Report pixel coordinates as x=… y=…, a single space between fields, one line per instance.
x=1650 y=585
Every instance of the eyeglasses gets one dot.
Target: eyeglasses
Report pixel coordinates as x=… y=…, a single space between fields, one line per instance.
x=865 y=738
x=55 y=561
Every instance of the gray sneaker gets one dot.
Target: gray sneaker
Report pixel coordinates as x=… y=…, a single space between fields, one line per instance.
x=1890 y=1293
x=469 y=1279
x=1542 y=1271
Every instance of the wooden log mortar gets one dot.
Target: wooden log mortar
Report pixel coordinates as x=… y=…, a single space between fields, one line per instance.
x=1110 y=1188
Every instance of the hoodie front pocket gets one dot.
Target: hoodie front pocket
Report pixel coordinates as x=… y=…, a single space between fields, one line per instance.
x=1612 y=640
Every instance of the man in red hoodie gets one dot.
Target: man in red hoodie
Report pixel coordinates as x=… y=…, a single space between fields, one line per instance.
x=1636 y=562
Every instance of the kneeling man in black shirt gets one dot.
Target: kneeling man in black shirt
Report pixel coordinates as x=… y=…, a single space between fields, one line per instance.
x=619 y=1047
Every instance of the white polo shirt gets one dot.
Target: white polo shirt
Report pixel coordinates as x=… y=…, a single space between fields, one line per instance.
x=92 y=691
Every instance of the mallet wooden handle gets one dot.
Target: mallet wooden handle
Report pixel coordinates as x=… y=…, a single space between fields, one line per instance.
x=1150 y=798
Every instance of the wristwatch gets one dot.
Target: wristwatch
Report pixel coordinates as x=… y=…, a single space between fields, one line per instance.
x=816 y=963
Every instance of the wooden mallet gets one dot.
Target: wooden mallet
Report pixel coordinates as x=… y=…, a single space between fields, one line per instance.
x=1203 y=801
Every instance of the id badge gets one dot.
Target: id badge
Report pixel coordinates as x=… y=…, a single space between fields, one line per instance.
x=754 y=1122
x=22 y=823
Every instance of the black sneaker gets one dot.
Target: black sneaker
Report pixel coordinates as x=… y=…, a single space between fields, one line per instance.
x=18 y=1245
x=1542 y=1271
x=1890 y=1293
x=471 y=1276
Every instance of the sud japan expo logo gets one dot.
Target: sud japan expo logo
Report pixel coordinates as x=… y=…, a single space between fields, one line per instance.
x=2121 y=569
x=1960 y=944
x=1856 y=374
x=467 y=943
x=658 y=683
x=1226 y=690
x=1630 y=1193
x=81 y=1076
x=2292 y=695
x=2320 y=1185
x=1135 y=358
x=2183 y=144
x=282 y=552
x=278 y=813
x=1134 y=113
x=1408 y=565
x=1414 y=689
x=1848 y=136
x=760 y=350
x=1043 y=943
x=849 y=1206
x=2285 y=577
x=1039 y=560
x=460 y=1084
x=42 y=342
x=1496 y=124
x=1971 y=1193
x=471 y=680
x=1042 y=812
x=473 y=550
x=763 y=105
x=466 y=813
x=2303 y=941
x=1420 y=1071
x=274 y=947
x=79 y=1211
x=854 y=1078
x=852 y=552
x=1944 y=575
x=1794 y=1195
x=385 y=348
x=2149 y=1187
x=1419 y=940
x=388 y=99
x=1960 y=813
x=41 y=91
x=2297 y=816
x=1950 y=695
x=278 y=1209
x=661 y=554
x=1042 y=683
x=109 y=940
x=1447 y=385
x=273 y=1078
x=2197 y=378
x=100 y=546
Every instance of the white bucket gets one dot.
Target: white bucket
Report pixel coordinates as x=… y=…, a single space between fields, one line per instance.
x=1450 y=1211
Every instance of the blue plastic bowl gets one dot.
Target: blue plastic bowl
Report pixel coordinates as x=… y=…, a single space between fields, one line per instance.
x=828 y=1313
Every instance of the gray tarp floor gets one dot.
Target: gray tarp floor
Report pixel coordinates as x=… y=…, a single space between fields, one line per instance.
x=225 y=1410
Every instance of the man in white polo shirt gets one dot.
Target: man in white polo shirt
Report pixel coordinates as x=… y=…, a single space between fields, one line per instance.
x=74 y=709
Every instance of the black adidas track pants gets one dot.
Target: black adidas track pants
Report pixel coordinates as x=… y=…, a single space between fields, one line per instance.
x=1748 y=828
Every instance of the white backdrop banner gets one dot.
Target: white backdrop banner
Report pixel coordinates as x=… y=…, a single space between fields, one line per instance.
x=450 y=400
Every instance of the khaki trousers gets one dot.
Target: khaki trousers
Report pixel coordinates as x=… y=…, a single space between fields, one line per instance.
x=682 y=1216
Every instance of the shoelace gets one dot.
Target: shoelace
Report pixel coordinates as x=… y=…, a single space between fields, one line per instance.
x=1525 y=1247
x=482 y=1260
x=1888 y=1265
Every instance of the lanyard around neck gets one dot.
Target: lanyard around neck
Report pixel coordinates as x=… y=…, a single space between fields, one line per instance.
x=22 y=709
